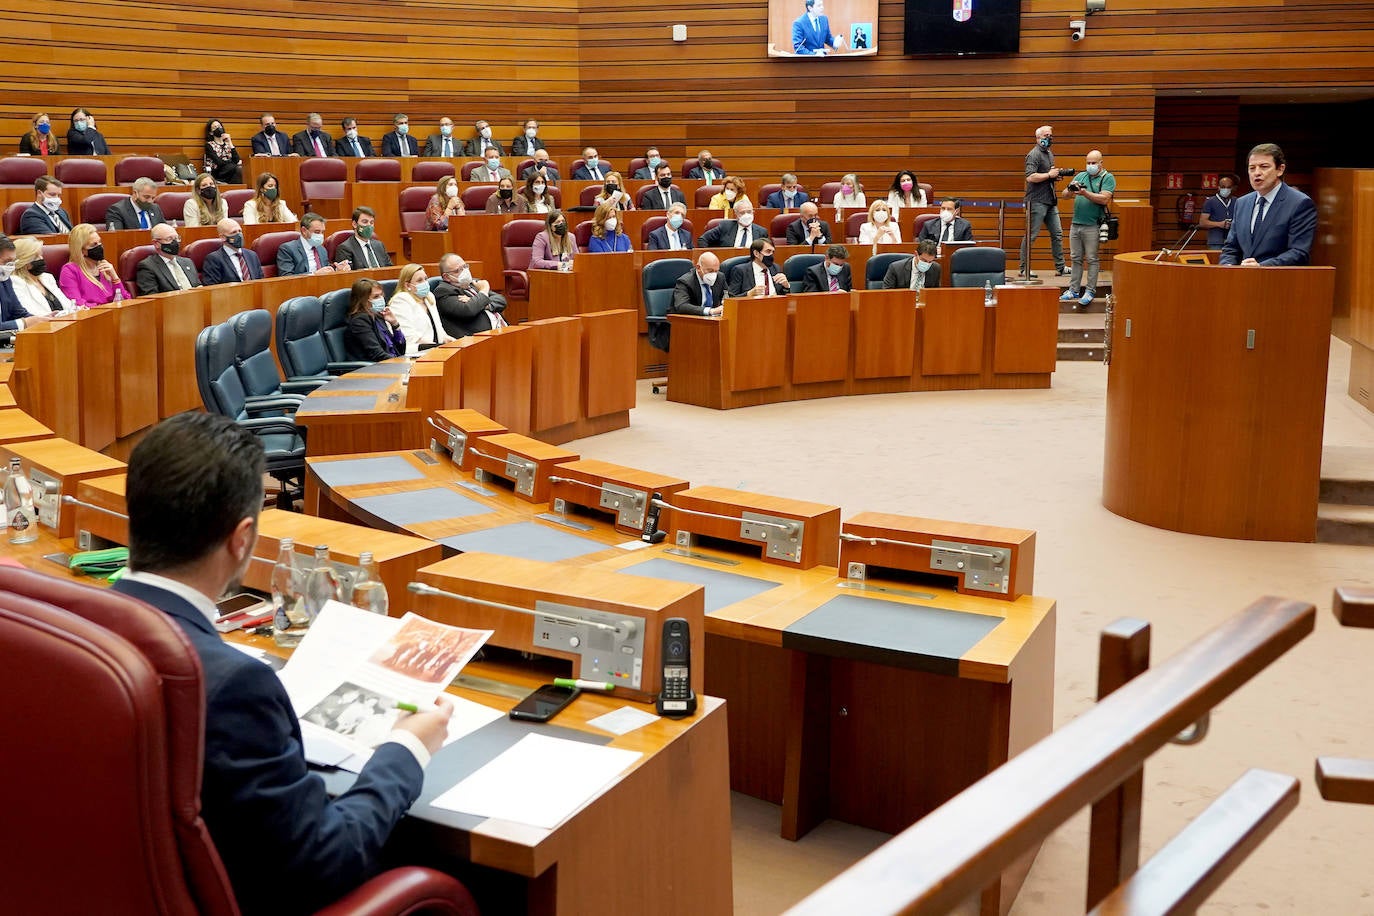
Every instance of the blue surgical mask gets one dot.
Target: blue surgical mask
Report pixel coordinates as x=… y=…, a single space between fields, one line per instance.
x=675 y=221
x=446 y=129
x=923 y=266
x=593 y=162
x=654 y=162
x=378 y=305
x=1223 y=193
x=1046 y=142
x=422 y=289
x=1093 y=168
x=79 y=124
x=834 y=269
x=403 y=129
x=317 y=238
x=44 y=128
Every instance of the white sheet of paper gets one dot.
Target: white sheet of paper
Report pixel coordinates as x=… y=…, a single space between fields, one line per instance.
x=322 y=746
x=250 y=651
x=622 y=721
x=468 y=717
x=539 y=781
x=634 y=545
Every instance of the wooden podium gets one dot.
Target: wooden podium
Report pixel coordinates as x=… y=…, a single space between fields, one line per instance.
x=1216 y=397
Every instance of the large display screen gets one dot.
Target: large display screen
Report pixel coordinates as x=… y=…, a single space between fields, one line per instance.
x=822 y=28
x=962 y=27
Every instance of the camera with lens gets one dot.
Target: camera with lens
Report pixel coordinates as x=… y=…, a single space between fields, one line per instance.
x=1074 y=187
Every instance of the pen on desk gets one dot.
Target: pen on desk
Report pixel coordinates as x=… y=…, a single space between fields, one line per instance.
x=584 y=685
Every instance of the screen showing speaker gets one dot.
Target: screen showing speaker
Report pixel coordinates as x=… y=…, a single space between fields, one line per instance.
x=962 y=27
x=817 y=29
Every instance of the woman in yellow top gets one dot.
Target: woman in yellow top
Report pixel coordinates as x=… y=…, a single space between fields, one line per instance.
x=732 y=193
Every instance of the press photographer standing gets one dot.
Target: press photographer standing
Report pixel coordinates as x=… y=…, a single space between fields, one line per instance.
x=1092 y=191
x=1042 y=209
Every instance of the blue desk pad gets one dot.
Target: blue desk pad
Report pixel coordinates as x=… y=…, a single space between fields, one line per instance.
x=890 y=633
x=329 y=404
x=722 y=588
x=365 y=470
x=398 y=368
x=349 y=383
x=418 y=506
x=527 y=540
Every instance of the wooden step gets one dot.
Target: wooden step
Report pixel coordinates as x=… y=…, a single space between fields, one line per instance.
x=1345 y=524
x=1347 y=476
x=1080 y=352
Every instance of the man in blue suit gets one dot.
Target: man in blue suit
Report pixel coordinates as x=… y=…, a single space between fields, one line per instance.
x=811 y=31
x=46 y=216
x=1275 y=226
x=671 y=236
x=193 y=495
x=791 y=197
x=231 y=262
x=305 y=255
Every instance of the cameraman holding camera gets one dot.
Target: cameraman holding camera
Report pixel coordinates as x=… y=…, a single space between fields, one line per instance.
x=1091 y=191
x=1041 y=206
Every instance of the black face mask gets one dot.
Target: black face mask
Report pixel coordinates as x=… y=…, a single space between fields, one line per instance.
x=96 y=252
x=665 y=182
x=506 y=193
x=217 y=132
x=611 y=189
x=270 y=130
x=705 y=163
x=560 y=229
x=235 y=240
x=768 y=261
x=171 y=247
x=38 y=268
x=209 y=194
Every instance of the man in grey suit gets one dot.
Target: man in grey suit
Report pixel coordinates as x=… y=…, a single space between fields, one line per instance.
x=306 y=255
x=483 y=140
x=700 y=291
x=910 y=273
x=139 y=210
x=361 y=250
x=165 y=271
x=443 y=143
x=492 y=171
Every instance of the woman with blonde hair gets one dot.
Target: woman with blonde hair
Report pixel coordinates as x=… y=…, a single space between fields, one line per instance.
x=445 y=203
x=731 y=195
x=850 y=195
x=416 y=314
x=87 y=278
x=37 y=289
x=40 y=140
x=206 y=207
x=266 y=206
x=613 y=192
x=881 y=228
x=607 y=232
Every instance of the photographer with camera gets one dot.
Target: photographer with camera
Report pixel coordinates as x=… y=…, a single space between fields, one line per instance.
x=1091 y=190
x=810 y=229
x=1041 y=206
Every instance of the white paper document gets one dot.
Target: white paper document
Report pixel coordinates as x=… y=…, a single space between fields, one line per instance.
x=539 y=781
x=622 y=721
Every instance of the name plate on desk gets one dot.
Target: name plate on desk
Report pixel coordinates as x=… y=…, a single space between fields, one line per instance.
x=790 y=532
x=525 y=462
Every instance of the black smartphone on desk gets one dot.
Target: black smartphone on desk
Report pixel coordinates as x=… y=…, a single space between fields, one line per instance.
x=544 y=703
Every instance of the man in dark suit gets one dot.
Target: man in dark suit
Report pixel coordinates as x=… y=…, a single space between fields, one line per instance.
x=652 y=160
x=306 y=255
x=466 y=306
x=443 y=144
x=193 y=495
x=137 y=211
x=734 y=233
x=908 y=272
x=269 y=141
x=706 y=169
x=663 y=238
x=832 y=275
x=313 y=142
x=398 y=141
x=482 y=140
x=809 y=228
x=13 y=315
x=700 y=291
x=760 y=276
x=165 y=271
x=592 y=168
x=811 y=31
x=351 y=143
x=46 y=216
x=541 y=164
x=663 y=195
x=949 y=227
x=790 y=197
x=231 y=262
x=1274 y=226
x=361 y=250
x=528 y=142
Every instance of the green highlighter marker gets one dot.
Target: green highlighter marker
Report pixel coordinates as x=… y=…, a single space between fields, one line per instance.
x=407 y=707
x=584 y=685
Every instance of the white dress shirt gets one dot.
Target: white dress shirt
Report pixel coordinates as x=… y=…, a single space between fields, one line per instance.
x=1268 y=204
x=869 y=233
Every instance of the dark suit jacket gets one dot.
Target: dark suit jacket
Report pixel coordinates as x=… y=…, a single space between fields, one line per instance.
x=292 y=260
x=776 y=201
x=474 y=147
x=741 y=280
x=658 y=239
x=524 y=146
x=10 y=307
x=260 y=143
x=1284 y=238
x=219 y=268
x=259 y=799
x=696 y=173
x=796 y=233
x=124 y=215
x=364 y=341
x=302 y=145
x=393 y=144
x=652 y=198
x=351 y=250
x=88 y=142
x=344 y=147
x=464 y=313
x=898 y=275
x=582 y=173
x=722 y=235
x=934 y=230
x=550 y=174
x=37 y=221
x=153 y=276
x=687 y=294
x=434 y=146
x=817 y=279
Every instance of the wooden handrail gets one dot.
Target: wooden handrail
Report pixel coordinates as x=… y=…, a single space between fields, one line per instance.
x=1354 y=607
x=965 y=844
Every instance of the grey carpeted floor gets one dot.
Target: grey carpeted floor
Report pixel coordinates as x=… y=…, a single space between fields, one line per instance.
x=1033 y=459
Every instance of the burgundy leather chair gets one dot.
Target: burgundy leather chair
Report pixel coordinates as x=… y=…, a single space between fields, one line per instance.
x=689 y=164
x=929 y=192
x=764 y=191
x=124 y=762
x=711 y=224
x=21 y=171
x=921 y=220
x=852 y=222
x=130 y=168
x=93 y=208
x=173 y=204
x=828 y=192
x=414 y=201
x=87 y=173
x=335 y=240
x=517 y=236
x=432 y=171
x=234 y=200
x=652 y=223
x=323 y=179
x=13 y=214
x=55 y=256
x=582 y=232
x=128 y=261
x=469 y=167
x=576 y=164
x=267 y=244
x=777 y=229
x=475 y=196
x=702 y=198
x=520 y=169
x=198 y=250
x=587 y=196
x=378 y=170
x=637 y=163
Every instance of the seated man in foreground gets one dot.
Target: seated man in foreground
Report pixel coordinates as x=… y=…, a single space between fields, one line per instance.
x=194 y=492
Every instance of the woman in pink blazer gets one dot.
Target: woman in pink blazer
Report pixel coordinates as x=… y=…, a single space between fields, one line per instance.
x=87 y=278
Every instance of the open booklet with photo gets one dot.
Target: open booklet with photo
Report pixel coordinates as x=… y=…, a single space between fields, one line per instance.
x=353 y=667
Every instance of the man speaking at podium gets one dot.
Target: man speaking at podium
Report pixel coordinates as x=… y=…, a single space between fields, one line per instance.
x=1274 y=226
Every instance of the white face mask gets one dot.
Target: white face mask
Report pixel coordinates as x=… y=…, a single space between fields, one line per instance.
x=451 y=190
x=537 y=188
x=746 y=219
x=531 y=132
x=731 y=193
x=709 y=279
x=486 y=133
x=880 y=217
x=464 y=278
x=946 y=216
x=611 y=224
x=53 y=204
x=351 y=133
x=6 y=271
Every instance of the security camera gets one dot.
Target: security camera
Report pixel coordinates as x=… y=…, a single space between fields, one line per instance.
x=1078 y=28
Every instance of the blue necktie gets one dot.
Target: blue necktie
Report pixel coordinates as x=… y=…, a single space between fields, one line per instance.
x=706 y=305
x=143 y=218
x=1259 y=217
